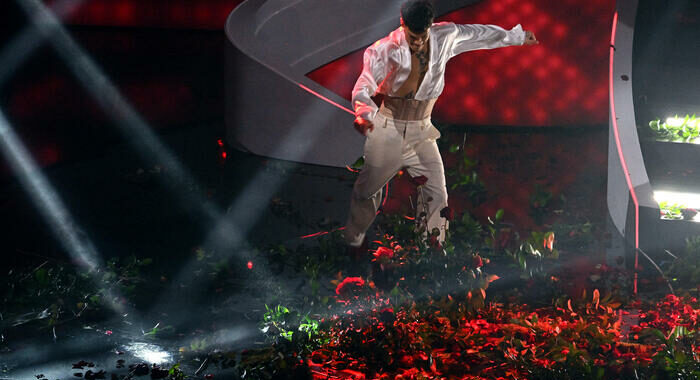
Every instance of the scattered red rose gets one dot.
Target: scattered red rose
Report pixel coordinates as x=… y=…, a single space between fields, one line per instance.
x=383 y=252
x=349 y=287
x=477 y=262
x=447 y=213
x=549 y=240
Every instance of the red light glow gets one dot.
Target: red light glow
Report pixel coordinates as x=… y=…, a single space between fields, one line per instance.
x=386 y=196
x=326 y=99
x=321 y=233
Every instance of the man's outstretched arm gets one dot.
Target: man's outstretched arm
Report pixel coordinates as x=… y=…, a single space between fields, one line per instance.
x=476 y=36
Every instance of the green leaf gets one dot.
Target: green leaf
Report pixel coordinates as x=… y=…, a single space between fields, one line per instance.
x=522 y=261
x=41 y=276
x=499 y=214
x=359 y=163
x=680 y=357
x=657 y=333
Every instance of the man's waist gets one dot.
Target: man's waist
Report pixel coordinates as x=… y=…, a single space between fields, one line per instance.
x=406 y=109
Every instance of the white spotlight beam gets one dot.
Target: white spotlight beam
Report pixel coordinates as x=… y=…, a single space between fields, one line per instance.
x=18 y=50
x=229 y=232
x=130 y=123
x=50 y=205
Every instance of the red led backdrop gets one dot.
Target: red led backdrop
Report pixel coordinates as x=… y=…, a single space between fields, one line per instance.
x=562 y=81
x=197 y=14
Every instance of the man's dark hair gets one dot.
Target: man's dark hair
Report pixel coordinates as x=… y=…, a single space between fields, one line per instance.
x=417 y=15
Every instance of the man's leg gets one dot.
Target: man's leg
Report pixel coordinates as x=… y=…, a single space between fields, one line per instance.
x=382 y=161
x=425 y=160
x=365 y=201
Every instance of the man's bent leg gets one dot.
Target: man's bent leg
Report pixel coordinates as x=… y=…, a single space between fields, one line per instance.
x=382 y=161
x=365 y=201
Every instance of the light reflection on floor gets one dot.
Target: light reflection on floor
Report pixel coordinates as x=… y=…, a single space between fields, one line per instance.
x=148 y=352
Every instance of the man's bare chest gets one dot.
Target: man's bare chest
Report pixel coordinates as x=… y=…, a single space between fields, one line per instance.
x=419 y=67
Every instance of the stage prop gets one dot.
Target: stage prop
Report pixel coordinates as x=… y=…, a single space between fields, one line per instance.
x=641 y=170
x=272 y=108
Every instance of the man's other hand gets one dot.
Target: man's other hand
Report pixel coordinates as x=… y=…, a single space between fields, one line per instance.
x=530 y=38
x=363 y=126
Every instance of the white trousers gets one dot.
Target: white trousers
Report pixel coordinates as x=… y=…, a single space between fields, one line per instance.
x=392 y=145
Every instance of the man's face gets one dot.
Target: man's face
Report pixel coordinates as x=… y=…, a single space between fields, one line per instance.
x=416 y=41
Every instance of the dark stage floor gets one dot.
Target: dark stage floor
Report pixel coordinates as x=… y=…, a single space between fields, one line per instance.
x=126 y=209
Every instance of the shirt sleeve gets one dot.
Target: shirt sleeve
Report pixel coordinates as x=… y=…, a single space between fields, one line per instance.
x=476 y=36
x=377 y=64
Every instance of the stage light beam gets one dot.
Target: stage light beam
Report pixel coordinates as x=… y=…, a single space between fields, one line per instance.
x=28 y=40
x=138 y=132
x=229 y=232
x=133 y=127
x=50 y=205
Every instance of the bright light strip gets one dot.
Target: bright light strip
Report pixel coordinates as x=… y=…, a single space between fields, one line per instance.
x=50 y=204
x=687 y=200
x=678 y=121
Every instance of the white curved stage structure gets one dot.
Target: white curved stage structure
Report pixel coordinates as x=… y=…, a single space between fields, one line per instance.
x=272 y=108
x=634 y=165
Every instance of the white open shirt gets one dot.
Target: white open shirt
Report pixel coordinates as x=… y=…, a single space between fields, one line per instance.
x=387 y=62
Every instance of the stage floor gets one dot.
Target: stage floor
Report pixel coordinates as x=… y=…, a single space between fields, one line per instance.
x=127 y=209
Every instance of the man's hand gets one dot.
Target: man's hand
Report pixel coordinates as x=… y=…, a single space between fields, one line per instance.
x=530 y=38
x=363 y=126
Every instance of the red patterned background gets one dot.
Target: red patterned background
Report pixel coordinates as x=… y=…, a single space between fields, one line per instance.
x=197 y=14
x=561 y=82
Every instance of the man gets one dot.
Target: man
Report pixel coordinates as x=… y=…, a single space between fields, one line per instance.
x=408 y=67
